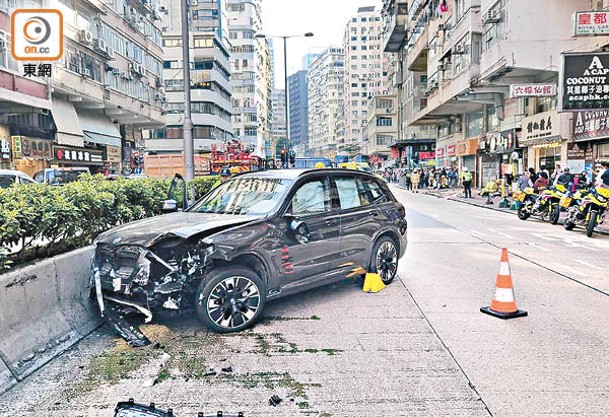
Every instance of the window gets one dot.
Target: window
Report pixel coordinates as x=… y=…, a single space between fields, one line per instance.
x=354 y=48
x=351 y=193
x=474 y=124
x=169 y=43
x=171 y=64
x=364 y=19
x=203 y=43
x=384 y=121
x=371 y=188
x=353 y=84
x=312 y=197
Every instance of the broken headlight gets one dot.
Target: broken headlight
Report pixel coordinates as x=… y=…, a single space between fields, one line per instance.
x=143 y=273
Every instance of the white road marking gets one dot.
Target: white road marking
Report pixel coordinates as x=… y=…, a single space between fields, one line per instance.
x=477 y=232
x=501 y=233
x=571 y=270
x=434 y=215
x=598 y=268
x=539 y=247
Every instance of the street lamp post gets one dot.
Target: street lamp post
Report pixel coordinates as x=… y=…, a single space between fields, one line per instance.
x=189 y=152
x=286 y=95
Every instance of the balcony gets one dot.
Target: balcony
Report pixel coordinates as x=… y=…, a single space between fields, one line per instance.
x=395 y=32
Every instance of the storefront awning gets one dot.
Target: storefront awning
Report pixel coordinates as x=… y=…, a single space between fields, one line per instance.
x=69 y=131
x=99 y=129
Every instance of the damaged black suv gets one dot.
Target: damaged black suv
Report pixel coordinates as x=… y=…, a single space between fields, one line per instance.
x=254 y=238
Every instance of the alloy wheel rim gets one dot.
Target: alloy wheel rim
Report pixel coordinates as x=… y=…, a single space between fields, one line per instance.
x=387 y=261
x=233 y=302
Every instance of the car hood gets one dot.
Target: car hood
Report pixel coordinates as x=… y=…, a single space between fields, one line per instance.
x=148 y=231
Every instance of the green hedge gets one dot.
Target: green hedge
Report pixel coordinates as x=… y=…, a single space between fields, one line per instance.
x=44 y=220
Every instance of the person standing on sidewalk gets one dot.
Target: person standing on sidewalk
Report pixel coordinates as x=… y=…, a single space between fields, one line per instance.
x=524 y=181
x=416 y=180
x=467 y=178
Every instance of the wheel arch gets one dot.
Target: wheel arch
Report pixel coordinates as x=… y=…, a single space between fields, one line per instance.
x=391 y=234
x=248 y=260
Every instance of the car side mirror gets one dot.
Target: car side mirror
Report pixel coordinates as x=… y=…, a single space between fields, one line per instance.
x=169 y=206
x=301 y=231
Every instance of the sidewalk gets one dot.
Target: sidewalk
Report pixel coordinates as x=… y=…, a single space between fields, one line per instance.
x=454 y=194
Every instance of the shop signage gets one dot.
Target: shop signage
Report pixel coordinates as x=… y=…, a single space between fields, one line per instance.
x=575 y=151
x=591 y=125
x=5 y=150
x=441 y=152
x=427 y=155
x=501 y=142
x=113 y=154
x=585 y=81
x=533 y=90
x=591 y=23
x=468 y=147
x=64 y=154
x=24 y=147
x=541 y=127
x=451 y=150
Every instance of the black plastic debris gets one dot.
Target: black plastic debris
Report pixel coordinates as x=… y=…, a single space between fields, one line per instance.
x=131 y=409
x=228 y=369
x=211 y=372
x=130 y=333
x=275 y=400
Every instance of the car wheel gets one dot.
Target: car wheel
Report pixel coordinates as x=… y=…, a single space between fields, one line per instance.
x=231 y=299
x=385 y=259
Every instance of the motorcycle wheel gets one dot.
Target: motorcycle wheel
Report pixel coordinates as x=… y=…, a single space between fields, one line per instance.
x=569 y=222
x=592 y=223
x=522 y=214
x=555 y=213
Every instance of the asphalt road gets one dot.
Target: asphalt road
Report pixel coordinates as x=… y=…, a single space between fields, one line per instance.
x=419 y=348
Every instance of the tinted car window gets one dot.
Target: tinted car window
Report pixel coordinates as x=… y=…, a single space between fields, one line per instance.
x=6 y=181
x=371 y=188
x=351 y=193
x=312 y=197
x=253 y=196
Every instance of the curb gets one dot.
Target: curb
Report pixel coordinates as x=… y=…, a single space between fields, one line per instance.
x=492 y=207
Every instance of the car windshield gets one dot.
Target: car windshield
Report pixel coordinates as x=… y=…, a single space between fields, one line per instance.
x=6 y=181
x=252 y=196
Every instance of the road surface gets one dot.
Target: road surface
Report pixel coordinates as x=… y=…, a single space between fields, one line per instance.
x=419 y=348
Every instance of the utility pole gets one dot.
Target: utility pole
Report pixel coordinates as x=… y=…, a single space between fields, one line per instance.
x=189 y=151
x=287 y=103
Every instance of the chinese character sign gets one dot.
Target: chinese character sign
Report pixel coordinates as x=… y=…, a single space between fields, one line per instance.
x=591 y=23
x=591 y=125
x=5 y=150
x=541 y=127
x=533 y=90
x=585 y=81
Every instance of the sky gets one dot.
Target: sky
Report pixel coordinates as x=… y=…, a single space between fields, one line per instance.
x=325 y=18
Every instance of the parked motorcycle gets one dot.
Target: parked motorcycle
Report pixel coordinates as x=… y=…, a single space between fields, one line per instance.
x=589 y=210
x=544 y=206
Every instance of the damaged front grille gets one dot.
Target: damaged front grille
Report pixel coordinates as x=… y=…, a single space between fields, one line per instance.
x=122 y=266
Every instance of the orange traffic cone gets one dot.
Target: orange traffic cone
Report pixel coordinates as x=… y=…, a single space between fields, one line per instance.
x=503 y=304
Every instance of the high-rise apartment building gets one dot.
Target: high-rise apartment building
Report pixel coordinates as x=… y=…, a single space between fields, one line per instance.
x=325 y=92
x=105 y=88
x=279 y=128
x=365 y=71
x=251 y=75
x=299 y=109
x=210 y=78
x=308 y=59
x=459 y=62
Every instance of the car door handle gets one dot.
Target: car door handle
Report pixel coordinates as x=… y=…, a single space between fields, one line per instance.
x=331 y=222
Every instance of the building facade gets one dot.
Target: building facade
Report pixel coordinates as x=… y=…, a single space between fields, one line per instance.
x=299 y=110
x=382 y=129
x=460 y=62
x=251 y=75
x=210 y=79
x=105 y=89
x=308 y=59
x=279 y=128
x=326 y=109
x=366 y=73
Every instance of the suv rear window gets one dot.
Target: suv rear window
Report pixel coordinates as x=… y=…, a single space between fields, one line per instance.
x=6 y=181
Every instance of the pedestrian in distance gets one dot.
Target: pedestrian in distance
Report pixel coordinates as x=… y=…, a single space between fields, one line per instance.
x=581 y=181
x=467 y=178
x=557 y=172
x=565 y=179
x=524 y=181
x=541 y=183
x=534 y=175
x=225 y=175
x=602 y=177
x=416 y=181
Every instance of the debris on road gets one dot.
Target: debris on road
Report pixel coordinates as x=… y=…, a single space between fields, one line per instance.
x=130 y=333
x=275 y=400
x=227 y=369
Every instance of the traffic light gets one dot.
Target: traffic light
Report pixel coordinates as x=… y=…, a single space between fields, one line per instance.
x=283 y=155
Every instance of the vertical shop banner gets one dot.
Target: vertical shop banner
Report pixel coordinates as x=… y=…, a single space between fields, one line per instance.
x=585 y=81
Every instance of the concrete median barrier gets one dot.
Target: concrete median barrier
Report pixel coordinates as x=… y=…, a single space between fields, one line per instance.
x=44 y=309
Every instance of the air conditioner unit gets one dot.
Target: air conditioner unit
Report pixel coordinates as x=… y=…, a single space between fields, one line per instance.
x=492 y=16
x=193 y=2
x=116 y=71
x=101 y=45
x=85 y=37
x=110 y=53
x=458 y=49
x=159 y=97
x=2 y=44
x=137 y=68
x=86 y=72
